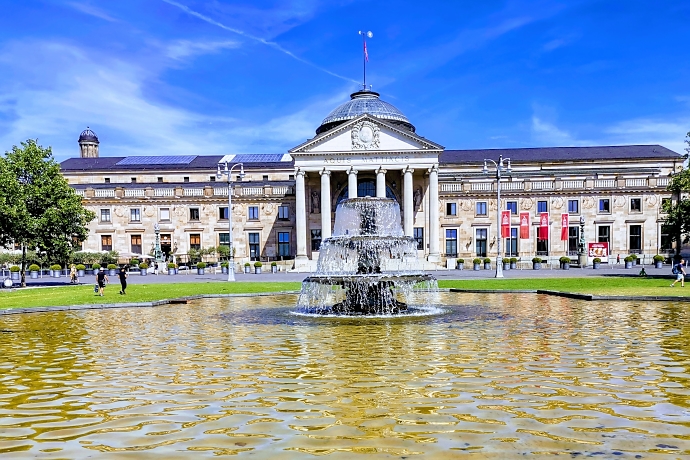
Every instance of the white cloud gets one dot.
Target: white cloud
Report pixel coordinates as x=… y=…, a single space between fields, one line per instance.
x=184 y=48
x=669 y=133
x=549 y=134
x=86 y=8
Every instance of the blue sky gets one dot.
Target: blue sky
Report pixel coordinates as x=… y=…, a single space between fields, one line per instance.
x=218 y=76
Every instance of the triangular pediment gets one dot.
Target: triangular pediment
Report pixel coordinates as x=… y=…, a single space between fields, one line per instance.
x=366 y=134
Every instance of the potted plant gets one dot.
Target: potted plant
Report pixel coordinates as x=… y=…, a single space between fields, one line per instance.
x=14 y=272
x=171 y=268
x=95 y=267
x=33 y=271
x=628 y=262
x=81 y=270
x=596 y=263
x=487 y=263
x=477 y=263
x=112 y=270
x=257 y=267
x=143 y=268
x=506 y=263
x=658 y=261
x=460 y=264
x=224 y=267
x=274 y=267
x=513 y=263
x=633 y=259
x=247 y=267
x=56 y=270
x=565 y=262
x=536 y=263
x=201 y=268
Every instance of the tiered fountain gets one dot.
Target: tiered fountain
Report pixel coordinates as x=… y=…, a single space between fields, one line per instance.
x=368 y=267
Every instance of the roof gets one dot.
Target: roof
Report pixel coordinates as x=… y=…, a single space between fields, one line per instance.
x=88 y=136
x=177 y=162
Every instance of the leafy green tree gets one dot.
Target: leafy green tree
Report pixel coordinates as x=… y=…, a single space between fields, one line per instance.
x=38 y=209
x=678 y=208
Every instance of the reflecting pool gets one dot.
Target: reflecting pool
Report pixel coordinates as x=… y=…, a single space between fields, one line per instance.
x=490 y=376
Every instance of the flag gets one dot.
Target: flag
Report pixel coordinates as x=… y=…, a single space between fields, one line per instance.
x=505 y=224
x=544 y=226
x=524 y=225
x=366 y=54
x=564 y=227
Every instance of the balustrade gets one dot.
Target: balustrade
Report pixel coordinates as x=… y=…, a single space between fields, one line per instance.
x=104 y=193
x=134 y=192
x=635 y=182
x=571 y=184
x=164 y=192
x=451 y=187
x=604 y=183
x=194 y=192
x=542 y=185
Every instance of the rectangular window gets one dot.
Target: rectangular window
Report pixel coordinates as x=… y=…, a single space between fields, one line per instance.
x=253 y=213
x=481 y=208
x=133 y=180
x=291 y=177
x=512 y=207
x=135 y=215
x=212 y=178
x=573 y=207
x=164 y=214
x=254 y=246
x=665 y=243
x=195 y=241
x=480 y=241
x=264 y=177
x=604 y=235
x=511 y=243
x=107 y=180
x=160 y=180
x=542 y=206
x=283 y=212
x=185 y=179
x=635 y=239
x=106 y=243
x=451 y=209
x=223 y=213
x=136 y=244
x=451 y=243
x=604 y=206
x=542 y=246
x=224 y=239
x=419 y=237
x=315 y=239
x=635 y=205
x=105 y=215
x=284 y=244
x=573 y=240
x=193 y=213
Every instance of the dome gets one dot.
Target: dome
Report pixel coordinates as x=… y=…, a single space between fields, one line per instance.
x=363 y=102
x=88 y=136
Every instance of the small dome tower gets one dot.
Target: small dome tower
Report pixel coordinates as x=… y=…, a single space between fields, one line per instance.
x=88 y=144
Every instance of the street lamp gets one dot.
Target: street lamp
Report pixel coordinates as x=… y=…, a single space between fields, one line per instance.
x=500 y=167
x=581 y=255
x=227 y=171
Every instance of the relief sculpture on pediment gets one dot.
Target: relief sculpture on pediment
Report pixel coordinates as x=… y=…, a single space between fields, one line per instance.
x=526 y=204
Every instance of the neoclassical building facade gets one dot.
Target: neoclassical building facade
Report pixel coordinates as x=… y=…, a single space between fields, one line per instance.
x=284 y=205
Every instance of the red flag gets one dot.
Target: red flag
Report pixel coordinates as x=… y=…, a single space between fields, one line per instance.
x=564 y=227
x=544 y=226
x=366 y=54
x=505 y=224
x=524 y=225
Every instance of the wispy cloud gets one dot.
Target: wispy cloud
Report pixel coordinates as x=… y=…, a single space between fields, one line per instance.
x=669 y=133
x=91 y=10
x=185 y=48
x=549 y=134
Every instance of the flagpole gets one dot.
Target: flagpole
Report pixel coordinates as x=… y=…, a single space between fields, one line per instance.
x=364 y=35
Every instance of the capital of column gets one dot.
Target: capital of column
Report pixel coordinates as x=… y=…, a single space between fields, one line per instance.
x=352 y=170
x=325 y=171
x=381 y=170
x=433 y=169
x=408 y=170
x=300 y=172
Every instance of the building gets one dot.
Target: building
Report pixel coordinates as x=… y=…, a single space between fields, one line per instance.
x=284 y=206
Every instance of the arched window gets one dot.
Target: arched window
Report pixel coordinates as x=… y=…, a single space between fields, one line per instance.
x=366 y=188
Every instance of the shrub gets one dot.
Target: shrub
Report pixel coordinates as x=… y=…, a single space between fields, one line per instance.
x=143 y=266
x=14 y=269
x=564 y=260
x=487 y=260
x=247 y=264
x=134 y=262
x=633 y=257
x=477 y=261
x=225 y=264
x=513 y=260
x=658 y=258
x=258 y=264
x=96 y=266
x=274 y=264
x=629 y=259
x=81 y=267
x=55 y=267
x=34 y=268
x=112 y=266
x=460 y=261
x=171 y=265
x=536 y=260
x=201 y=265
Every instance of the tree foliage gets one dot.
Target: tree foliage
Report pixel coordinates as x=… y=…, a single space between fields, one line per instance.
x=38 y=209
x=678 y=208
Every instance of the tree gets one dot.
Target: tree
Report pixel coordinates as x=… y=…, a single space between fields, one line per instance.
x=38 y=209
x=678 y=208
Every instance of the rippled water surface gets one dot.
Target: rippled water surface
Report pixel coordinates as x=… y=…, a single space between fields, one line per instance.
x=492 y=376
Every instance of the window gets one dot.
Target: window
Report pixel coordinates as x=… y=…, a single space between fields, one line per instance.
x=106 y=180
x=106 y=243
x=542 y=206
x=635 y=205
x=264 y=177
x=604 y=235
x=212 y=178
x=185 y=179
x=283 y=212
x=573 y=240
x=224 y=239
x=451 y=243
x=223 y=213
x=135 y=216
x=105 y=215
x=283 y=244
x=254 y=250
x=366 y=188
x=511 y=243
x=480 y=236
x=253 y=213
x=193 y=213
x=635 y=239
x=238 y=178
x=542 y=246
x=136 y=244
x=512 y=207
x=451 y=209
x=160 y=180
x=133 y=180
x=195 y=241
x=665 y=244
x=291 y=177
x=605 y=206
x=573 y=207
x=164 y=214
x=315 y=239
x=481 y=208
x=419 y=237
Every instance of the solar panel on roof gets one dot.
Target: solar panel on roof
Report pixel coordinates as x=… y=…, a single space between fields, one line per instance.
x=157 y=160
x=257 y=158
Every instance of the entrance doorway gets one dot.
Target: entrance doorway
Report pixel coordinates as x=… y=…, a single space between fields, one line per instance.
x=166 y=245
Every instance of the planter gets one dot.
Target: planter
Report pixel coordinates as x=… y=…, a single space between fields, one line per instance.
x=171 y=271
x=634 y=262
x=89 y=271
x=81 y=272
x=257 y=270
x=247 y=269
x=143 y=272
x=536 y=266
x=487 y=266
x=177 y=270
x=506 y=266
x=658 y=265
x=477 y=266
x=274 y=269
x=112 y=272
x=566 y=266
x=224 y=270
x=460 y=266
x=200 y=271
x=513 y=265
x=596 y=265
x=628 y=265
x=14 y=276
x=33 y=275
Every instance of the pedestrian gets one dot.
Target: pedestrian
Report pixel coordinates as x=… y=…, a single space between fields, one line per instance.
x=123 y=281
x=73 y=276
x=618 y=259
x=679 y=270
x=101 y=279
x=155 y=268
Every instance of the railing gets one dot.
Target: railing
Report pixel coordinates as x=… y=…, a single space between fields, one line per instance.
x=164 y=192
x=104 y=193
x=451 y=187
x=542 y=185
x=79 y=192
x=512 y=185
x=635 y=182
x=132 y=192
x=221 y=191
x=194 y=192
x=282 y=190
x=573 y=184
x=482 y=186
x=252 y=191
x=604 y=183
x=662 y=182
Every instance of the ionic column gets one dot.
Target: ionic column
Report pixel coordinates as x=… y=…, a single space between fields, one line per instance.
x=352 y=183
x=300 y=216
x=325 y=204
x=408 y=202
x=434 y=232
x=381 y=183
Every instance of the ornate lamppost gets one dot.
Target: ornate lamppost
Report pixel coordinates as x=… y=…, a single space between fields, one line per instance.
x=500 y=167
x=157 y=252
x=581 y=254
x=227 y=171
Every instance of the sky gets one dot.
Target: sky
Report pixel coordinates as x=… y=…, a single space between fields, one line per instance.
x=195 y=77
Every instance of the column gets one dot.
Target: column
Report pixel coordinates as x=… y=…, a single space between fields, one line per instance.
x=434 y=233
x=352 y=183
x=325 y=204
x=408 y=203
x=300 y=216
x=381 y=183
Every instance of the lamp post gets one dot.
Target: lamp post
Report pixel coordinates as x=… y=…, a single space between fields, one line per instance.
x=227 y=171
x=581 y=256
x=500 y=167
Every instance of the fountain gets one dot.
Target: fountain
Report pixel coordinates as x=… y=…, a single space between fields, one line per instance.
x=368 y=266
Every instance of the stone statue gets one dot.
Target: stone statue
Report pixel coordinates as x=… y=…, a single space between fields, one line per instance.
x=418 y=198
x=315 y=202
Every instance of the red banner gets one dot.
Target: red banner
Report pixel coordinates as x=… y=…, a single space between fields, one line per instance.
x=524 y=225
x=564 y=227
x=544 y=226
x=505 y=224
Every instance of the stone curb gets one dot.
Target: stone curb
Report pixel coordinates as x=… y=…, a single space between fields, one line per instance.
x=575 y=295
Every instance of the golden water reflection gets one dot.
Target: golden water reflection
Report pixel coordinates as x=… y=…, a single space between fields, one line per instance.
x=494 y=376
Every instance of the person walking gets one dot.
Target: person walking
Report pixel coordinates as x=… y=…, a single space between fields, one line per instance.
x=679 y=269
x=123 y=281
x=618 y=259
x=155 y=268
x=101 y=279
x=73 y=276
